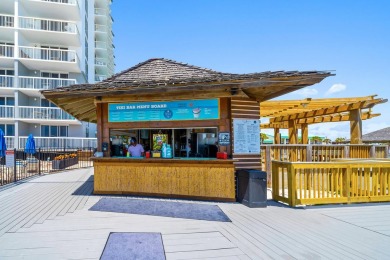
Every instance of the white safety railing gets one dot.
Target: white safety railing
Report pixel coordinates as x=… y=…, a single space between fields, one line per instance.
x=7 y=21
x=6 y=51
x=6 y=81
x=100 y=28
x=60 y=142
x=101 y=45
x=100 y=62
x=100 y=77
x=44 y=83
x=48 y=54
x=10 y=141
x=102 y=11
x=47 y=25
x=48 y=113
x=71 y=2
x=7 y=111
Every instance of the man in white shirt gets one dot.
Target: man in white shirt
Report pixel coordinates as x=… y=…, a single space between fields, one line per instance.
x=135 y=149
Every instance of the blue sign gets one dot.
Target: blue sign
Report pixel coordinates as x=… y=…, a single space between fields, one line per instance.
x=164 y=111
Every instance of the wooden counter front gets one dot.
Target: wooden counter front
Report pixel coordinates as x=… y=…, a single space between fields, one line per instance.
x=186 y=178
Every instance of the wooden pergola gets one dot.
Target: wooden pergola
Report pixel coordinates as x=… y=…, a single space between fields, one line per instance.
x=298 y=114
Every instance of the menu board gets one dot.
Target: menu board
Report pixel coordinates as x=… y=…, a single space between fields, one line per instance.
x=205 y=109
x=246 y=136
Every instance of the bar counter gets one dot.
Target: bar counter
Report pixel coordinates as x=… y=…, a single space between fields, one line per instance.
x=195 y=178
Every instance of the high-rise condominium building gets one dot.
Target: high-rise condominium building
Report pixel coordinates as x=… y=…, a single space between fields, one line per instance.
x=46 y=44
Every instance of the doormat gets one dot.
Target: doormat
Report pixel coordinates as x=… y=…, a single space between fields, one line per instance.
x=140 y=246
x=161 y=208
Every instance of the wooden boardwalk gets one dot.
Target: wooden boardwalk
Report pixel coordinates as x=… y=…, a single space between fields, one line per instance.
x=48 y=218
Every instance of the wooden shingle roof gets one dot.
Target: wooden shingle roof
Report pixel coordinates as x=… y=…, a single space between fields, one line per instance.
x=379 y=136
x=167 y=79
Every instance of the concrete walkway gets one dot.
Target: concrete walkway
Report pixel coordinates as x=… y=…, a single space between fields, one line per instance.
x=48 y=218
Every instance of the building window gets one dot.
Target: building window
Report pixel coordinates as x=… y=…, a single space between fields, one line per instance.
x=47 y=103
x=8 y=129
x=54 y=131
x=6 y=72
x=54 y=75
x=8 y=101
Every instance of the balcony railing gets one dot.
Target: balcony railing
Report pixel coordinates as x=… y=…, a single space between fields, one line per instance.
x=6 y=51
x=43 y=83
x=101 y=45
x=48 y=113
x=48 y=54
x=100 y=28
x=102 y=11
x=47 y=25
x=7 y=111
x=6 y=81
x=10 y=141
x=100 y=77
x=6 y=21
x=71 y=2
x=100 y=62
x=60 y=142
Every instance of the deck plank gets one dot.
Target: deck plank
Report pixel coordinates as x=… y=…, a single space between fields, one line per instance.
x=270 y=233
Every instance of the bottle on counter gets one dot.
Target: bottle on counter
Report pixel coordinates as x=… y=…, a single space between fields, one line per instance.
x=164 y=150
x=168 y=151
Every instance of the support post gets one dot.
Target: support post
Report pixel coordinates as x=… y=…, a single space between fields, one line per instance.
x=356 y=126
x=15 y=179
x=292 y=136
x=276 y=136
x=372 y=151
x=305 y=133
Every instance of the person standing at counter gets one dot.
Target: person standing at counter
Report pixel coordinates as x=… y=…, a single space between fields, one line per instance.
x=135 y=149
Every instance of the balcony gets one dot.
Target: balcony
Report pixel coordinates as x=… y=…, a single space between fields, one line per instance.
x=101 y=15
x=10 y=141
x=43 y=83
x=63 y=142
x=7 y=111
x=7 y=28
x=31 y=114
x=52 y=32
x=99 y=78
x=55 y=9
x=6 y=81
x=6 y=56
x=36 y=58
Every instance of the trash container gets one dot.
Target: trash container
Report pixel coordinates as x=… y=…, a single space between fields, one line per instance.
x=252 y=188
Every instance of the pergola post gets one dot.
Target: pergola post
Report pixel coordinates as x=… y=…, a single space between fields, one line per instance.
x=305 y=133
x=356 y=126
x=292 y=137
x=276 y=136
x=305 y=141
x=276 y=141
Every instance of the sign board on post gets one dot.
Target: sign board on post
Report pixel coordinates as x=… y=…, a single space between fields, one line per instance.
x=224 y=138
x=9 y=158
x=206 y=109
x=246 y=136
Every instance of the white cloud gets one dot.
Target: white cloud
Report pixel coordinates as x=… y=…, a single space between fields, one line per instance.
x=336 y=88
x=307 y=92
x=330 y=130
x=371 y=127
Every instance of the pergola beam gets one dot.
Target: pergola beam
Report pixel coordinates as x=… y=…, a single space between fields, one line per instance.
x=285 y=107
x=329 y=110
x=321 y=119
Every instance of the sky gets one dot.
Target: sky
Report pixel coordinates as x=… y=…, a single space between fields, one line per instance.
x=349 y=37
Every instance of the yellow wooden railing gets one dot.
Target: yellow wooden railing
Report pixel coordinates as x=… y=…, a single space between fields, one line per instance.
x=340 y=181
x=317 y=153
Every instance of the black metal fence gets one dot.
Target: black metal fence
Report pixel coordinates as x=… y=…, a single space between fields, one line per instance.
x=17 y=165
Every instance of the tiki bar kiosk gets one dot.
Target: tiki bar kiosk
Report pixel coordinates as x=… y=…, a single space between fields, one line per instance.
x=170 y=129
